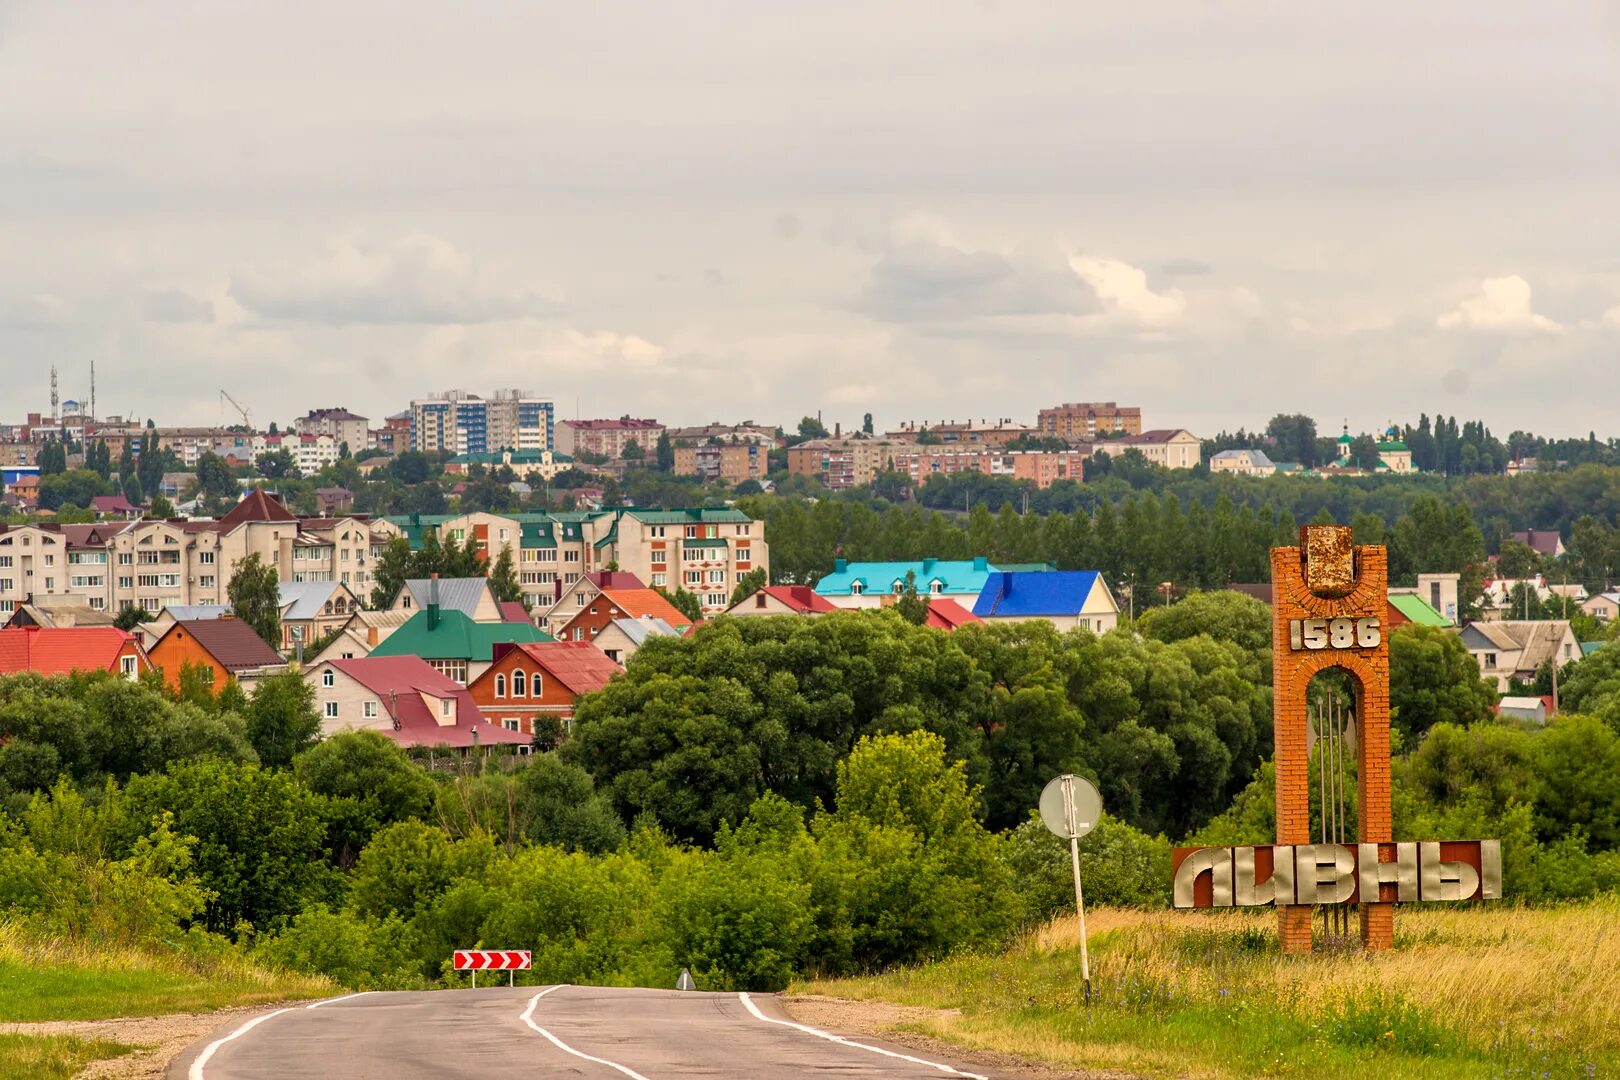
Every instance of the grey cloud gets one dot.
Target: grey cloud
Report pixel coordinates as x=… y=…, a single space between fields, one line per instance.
x=417 y=280
x=1186 y=268
x=174 y=306
x=919 y=280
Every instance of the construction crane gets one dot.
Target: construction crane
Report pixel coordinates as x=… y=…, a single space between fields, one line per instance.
x=247 y=420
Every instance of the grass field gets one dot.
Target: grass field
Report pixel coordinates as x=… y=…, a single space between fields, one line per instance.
x=1490 y=991
x=50 y=1057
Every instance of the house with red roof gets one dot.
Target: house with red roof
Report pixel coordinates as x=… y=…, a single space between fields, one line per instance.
x=946 y=614
x=783 y=600
x=227 y=646
x=61 y=650
x=603 y=605
x=404 y=698
x=114 y=506
x=576 y=596
x=533 y=679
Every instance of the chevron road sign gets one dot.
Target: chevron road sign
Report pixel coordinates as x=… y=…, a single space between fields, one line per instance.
x=476 y=960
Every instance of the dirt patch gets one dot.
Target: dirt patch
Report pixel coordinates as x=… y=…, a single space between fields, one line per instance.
x=160 y=1038
x=882 y=1019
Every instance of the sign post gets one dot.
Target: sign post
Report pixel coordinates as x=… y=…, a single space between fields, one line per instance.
x=1070 y=807
x=508 y=960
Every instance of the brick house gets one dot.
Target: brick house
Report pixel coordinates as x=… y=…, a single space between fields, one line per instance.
x=62 y=650
x=528 y=680
x=610 y=604
x=227 y=646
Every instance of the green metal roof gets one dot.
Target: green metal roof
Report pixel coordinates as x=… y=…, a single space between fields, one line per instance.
x=1418 y=610
x=697 y=515
x=703 y=542
x=455 y=637
x=1396 y=445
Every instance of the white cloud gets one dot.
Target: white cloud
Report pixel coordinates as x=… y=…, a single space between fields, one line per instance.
x=1502 y=306
x=1124 y=293
x=416 y=279
x=1611 y=318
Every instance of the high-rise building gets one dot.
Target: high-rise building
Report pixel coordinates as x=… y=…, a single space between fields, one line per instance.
x=1086 y=421
x=461 y=423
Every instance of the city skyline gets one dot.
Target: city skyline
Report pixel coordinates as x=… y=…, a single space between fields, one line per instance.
x=1001 y=204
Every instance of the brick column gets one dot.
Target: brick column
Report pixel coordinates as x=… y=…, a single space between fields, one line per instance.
x=1291 y=755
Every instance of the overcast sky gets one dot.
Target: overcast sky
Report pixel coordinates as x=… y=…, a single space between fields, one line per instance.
x=753 y=209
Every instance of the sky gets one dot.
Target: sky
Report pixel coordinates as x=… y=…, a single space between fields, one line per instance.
x=943 y=210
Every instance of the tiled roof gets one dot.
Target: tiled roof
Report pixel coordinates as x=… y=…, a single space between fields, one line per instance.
x=400 y=681
x=231 y=642
x=947 y=614
x=1536 y=640
x=578 y=665
x=60 y=650
x=1542 y=541
x=455 y=637
x=647 y=604
x=513 y=611
x=1056 y=592
x=801 y=598
x=258 y=505
x=112 y=504
x=615 y=579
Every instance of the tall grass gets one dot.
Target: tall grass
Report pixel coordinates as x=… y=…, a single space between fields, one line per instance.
x=54 y=978
x=1466 y=991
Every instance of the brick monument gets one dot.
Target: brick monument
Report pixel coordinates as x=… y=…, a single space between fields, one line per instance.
x=1328 y=604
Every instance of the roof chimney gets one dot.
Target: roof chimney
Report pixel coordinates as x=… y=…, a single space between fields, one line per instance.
x=371 y=636
x=433 y=601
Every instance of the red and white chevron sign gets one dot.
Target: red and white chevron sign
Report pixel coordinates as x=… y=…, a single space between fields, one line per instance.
x=493 y=959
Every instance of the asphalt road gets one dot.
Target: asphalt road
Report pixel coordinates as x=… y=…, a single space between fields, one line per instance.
x=592 y=1032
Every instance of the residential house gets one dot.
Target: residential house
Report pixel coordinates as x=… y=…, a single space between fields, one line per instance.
x=334 y=500
x=1544 y=542
x=1439 y=590
x=946 y=614
x=1086 y=421
x=608 y=604
x=1066 y=598
x=1170 y=448
x=363 y=631
x=405 y=699
x=59 y=611
x=856 y=585
x=841 y=464
x=62 y=650
x=471 y=596
x=312 y=609
x=621 y=639
x=1411 y=608
x=1516 y=649
x=1605 y=605
x=608 y=438
x=226 y=646
x=453 y=643
x=532 y=680
x=547 y=463
x=1242 y=463
x=1499 y=593
x=114 y=506
x=783 y=600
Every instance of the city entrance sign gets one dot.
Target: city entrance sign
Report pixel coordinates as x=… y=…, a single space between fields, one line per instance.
x=1336 y=873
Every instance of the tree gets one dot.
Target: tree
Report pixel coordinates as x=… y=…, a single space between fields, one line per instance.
x=1432 y=678
x=812 y=428
x=133 y=492
x=161 y=508
x=370 y=783
x=751 y=583
x=503 y=579
x=665 y=453
x=686 y=603
x=409 y=467
x=75 y=487
x=255 y=595
x=1517 y=560
x=562 y=807
x=281 y=718
x=1295 y=438
x=632 y=451
x=1364 y=452
x=866 y=423
x=912 y=607
x=391 y=570
x=52 y=458
x=131 y=617
x=276 y=464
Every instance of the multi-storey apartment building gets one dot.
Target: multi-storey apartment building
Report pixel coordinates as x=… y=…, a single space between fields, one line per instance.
x=190 y=443
x=608 y=437
x=843 y=463
x=732 y=462
x=705 y=551
x=462 y=423
x=1086 y=421
x=747 y=431
x=158 y=564
x=310 y=453
x=977 y=432
x=339 y=423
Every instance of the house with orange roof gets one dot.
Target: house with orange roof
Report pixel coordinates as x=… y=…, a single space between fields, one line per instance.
x=62 y=650
x=604 y=605
x=533 y=679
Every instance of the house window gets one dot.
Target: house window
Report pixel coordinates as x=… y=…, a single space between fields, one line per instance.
x=1566 y=651
x=856 y=588
x=694 y=577
x=579 y=633
x=520 y=684
x=126 y=664
x=659 y=580
x=369 y=710
x=613 y=655
x=691 y=532
x=936 y=588
x=331 y=710
x=328 y=678
x=717 y=577
x=717 y=599
x=1490 y=661
x=510 y=724
x=447 y=707
x=760 y=599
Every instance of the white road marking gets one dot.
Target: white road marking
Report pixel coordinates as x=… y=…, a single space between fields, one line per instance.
x=196 y=1070
x=528 y=1018
x=748 y=1003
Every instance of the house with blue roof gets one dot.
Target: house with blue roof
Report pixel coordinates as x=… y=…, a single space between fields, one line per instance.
x=858 y=585
x=1065 y=598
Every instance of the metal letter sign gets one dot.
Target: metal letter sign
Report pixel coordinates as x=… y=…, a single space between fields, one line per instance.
x=1070 y=807
x=1336 y=873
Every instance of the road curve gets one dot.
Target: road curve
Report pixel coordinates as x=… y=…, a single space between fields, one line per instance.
x=592 y=1032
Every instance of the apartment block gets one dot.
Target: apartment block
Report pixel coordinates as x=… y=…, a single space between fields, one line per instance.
x=980 y=432
x=608 y=437
x=461 y=423
x=310 y=453
x=841 y=464
x=747 y=431
x=731 y=462
x=1041 y=468
x=339 y=423
x=1087 y=421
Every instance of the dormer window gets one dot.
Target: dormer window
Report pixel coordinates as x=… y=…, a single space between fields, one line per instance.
x=936 y=588
x=856 y=588
x=899 y=587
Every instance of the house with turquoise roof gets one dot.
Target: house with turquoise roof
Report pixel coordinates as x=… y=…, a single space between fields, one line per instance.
x=857 y=585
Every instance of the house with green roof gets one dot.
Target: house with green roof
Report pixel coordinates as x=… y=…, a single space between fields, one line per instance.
x=453 y=643
x=1412 y=608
